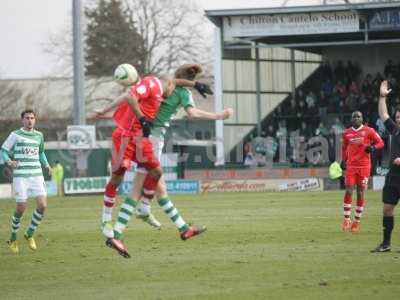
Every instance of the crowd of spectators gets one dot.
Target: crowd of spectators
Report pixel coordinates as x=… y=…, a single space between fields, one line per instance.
x=323 y=107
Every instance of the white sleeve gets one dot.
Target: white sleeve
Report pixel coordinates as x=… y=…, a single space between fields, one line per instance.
x=9 y=142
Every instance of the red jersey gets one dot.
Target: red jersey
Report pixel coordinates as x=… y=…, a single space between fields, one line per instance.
x=354 y=143
x=149 y=93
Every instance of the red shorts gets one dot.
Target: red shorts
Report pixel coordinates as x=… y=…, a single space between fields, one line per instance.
x=121 y=152
x=357 y=176
x=142 y=152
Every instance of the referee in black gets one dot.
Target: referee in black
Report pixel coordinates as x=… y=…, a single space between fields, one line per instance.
x=391 y=189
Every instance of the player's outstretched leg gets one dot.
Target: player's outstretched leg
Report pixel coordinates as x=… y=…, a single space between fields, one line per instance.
x=146 y=216
x=119 y=246
x=124 y=216
x=186 y=231
x=108 y=205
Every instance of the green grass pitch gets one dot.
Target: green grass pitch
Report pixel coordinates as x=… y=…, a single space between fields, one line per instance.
x=258 y=246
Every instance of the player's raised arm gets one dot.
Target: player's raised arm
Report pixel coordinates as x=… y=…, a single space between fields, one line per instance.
x=195 y=113
x=390 y=125
x=382 y=107
x=102 y=112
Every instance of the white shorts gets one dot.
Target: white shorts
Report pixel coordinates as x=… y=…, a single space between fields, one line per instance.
x=24 y=187
x=158 y=144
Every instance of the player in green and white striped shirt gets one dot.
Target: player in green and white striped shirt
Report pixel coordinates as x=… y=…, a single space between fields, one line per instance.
x=23 y=152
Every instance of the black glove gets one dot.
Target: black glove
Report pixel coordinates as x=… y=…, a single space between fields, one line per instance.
x=343 y=165
x=203 y=89
x=146 y=126
x=369 y=149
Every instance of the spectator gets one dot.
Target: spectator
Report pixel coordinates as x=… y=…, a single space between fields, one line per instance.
x=302 y=109
x=341 y=90
x=327 y=88
x=57 y=176
x=321 y=130
x=326 y=71
x=339 y=71
x=353 y=88
x=367 y=87
x=337 y=128
x=271 y=145
x=300 y=95
x=305 y=130
x=310 y=99
x=390 y=69
x=352 y=101
x=281 y=133
x=248 y=155
x=260 y=146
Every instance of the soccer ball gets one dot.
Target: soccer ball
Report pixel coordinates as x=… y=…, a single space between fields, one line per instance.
x=126 y=75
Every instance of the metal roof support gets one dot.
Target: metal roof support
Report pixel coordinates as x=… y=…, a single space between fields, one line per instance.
x=219 y=125
x=258 y=90
x=308 y=45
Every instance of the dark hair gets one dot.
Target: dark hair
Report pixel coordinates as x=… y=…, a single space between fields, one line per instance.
x=27 y=111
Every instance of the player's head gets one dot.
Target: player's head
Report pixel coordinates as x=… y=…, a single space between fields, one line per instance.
x=28 y=118
x=188 y=71
x=356 y=119
x=168 y=85
x=397 y=115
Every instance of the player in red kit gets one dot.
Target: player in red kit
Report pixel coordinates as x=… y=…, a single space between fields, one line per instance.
x=358 y=143
x=135 y=111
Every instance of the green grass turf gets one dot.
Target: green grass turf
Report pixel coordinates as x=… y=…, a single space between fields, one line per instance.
x=258 y=246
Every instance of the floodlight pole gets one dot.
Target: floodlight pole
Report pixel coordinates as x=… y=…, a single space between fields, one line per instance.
x=79 y=115
x=258 y=90
x=218 y=104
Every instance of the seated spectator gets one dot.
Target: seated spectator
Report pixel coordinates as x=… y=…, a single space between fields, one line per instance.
x=352 y=101
x=364 y=104
x=326 y=70
x=305 y=130
x=323 y=104
x=322 y=130
x=292 y=109
x=259 y=146
x=390 y=68
x=337 y=127
x=353 y=88
x=271 y=145
x=339 y=71
x=341 y=90
x=281 y=133
x=248 y=155
x=367 y=87
x=310 y=99
x=312 y=110
x=300 y=95
x=352 y=71
x=302 y=109
x=327 y=88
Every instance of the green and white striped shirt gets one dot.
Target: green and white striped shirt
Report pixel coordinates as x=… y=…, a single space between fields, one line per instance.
x=27 y=148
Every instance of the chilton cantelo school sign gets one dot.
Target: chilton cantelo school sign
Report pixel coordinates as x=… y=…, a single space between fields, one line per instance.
x=290 y=24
